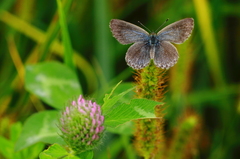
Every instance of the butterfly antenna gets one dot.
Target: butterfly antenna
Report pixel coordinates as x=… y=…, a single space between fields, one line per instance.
x=162 y=24
x=144 y=26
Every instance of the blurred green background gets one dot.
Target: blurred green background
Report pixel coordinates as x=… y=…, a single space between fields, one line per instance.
x=206 y=78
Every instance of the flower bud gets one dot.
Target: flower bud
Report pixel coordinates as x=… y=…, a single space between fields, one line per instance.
x=81 y=124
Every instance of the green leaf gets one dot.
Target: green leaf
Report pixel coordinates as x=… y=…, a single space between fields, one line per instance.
x=86 y=155
x=40 y=127
x=137 y=108
x=16 y=129
x=33 y=151
x=53 y=151
x=6 y=147
x=52 y=82
x=123 y=129
x=56 y=151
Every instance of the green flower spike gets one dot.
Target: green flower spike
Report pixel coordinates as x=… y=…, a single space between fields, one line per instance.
x=149 y=139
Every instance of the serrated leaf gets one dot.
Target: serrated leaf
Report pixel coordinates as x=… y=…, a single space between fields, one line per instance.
x=113 y=91
x=40 y=127
x=52 y=82
x=110 y=102
x=137 y=108
x=107 y=96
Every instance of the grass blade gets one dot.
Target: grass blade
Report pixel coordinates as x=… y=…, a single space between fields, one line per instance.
x=68 y=52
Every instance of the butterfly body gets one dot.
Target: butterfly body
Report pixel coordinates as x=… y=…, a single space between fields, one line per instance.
x=155 y=46
x=154 y=42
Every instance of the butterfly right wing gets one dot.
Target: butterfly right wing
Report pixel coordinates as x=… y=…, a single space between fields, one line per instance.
x=177 y=32
x=138 y=55
x=127 y=33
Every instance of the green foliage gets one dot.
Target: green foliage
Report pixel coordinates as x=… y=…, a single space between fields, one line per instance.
x=137 y=108
x=56 y=151
x=52 y=51
x=40 y=127
x=109 y=103
x=7 y=146
x=118 y=113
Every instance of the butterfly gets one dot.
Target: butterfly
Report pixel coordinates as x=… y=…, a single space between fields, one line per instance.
x=155 y=46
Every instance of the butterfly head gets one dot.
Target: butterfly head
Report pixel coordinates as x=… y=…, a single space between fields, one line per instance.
x=153 y=40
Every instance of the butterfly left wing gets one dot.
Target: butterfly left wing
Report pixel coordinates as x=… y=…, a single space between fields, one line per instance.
x=166 y=55
x=177 y=32
x=138 y=55
x=127 y=33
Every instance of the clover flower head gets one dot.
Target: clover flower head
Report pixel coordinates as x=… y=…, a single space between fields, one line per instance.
x=81 y=124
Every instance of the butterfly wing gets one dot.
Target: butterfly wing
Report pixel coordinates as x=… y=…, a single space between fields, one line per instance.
x=166 y=55
x=138 y=55
x=127 y=33
x=177 y=32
